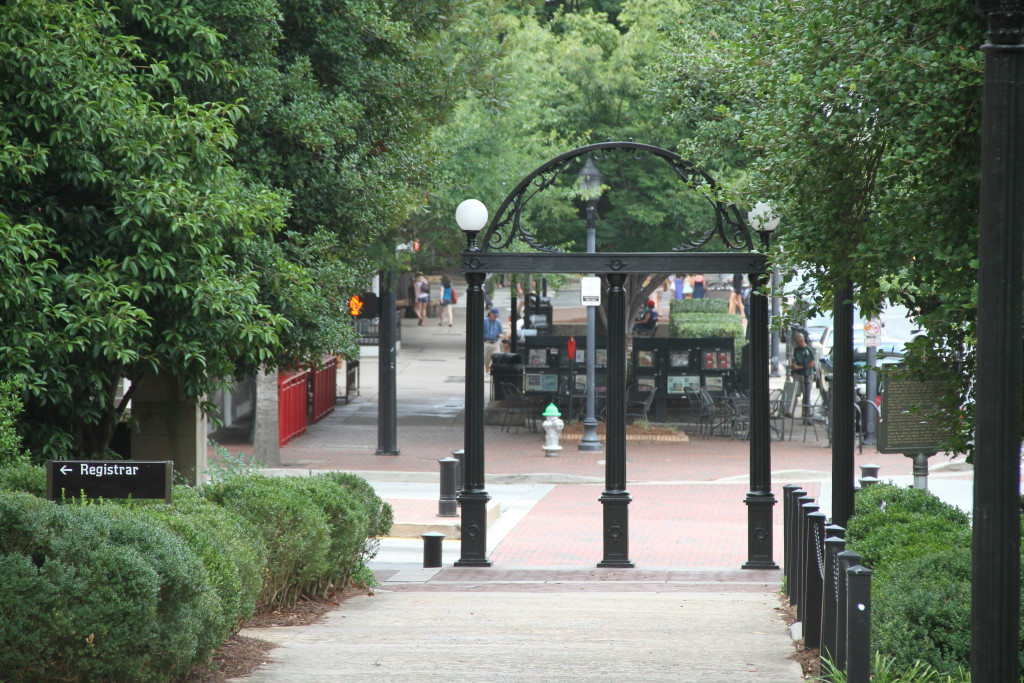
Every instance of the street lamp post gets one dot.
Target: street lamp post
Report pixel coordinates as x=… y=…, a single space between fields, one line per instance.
x=760 y=498
x=995 y=548
x=471 y=215
x=590 y=181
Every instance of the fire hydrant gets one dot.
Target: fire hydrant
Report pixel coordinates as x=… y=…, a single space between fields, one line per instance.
x=552 y=430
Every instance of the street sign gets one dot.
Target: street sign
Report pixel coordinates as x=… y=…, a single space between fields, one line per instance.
x=872 y=328
x=590 y=291
x=109 y=479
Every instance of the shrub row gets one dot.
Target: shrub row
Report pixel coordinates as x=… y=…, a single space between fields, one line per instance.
x=141 y=590
x=920 y=550
x=705 y=305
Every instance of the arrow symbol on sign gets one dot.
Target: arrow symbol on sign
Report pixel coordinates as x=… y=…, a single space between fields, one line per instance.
x=65 y=469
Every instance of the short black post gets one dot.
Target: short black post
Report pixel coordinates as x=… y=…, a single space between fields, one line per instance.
x=432 y=549
x=788 y=502
x=812 y=611
x=847 y=559
x=858 y=658
x=460 y=474
x=868 y=475
x=447 y=506
x=805 y=532
x=834 y=544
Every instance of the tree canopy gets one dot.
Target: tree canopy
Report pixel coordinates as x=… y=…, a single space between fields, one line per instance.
x=189 y=189
x=859 y=123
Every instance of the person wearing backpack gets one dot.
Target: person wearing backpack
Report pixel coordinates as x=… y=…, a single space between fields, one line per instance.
x=448 y=300
x=422 y=287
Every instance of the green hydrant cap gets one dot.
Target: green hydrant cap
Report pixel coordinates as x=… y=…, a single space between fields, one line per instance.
x=552 y=411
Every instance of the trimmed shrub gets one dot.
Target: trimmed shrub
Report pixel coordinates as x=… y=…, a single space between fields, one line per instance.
x=922 y=611
x=293 y=528
x=347 y=523
x=23 y=476
x=380 y=513
x=228 y=546
x=869 y=501
x=97 y=592
x=705 y=305
x=893 y=524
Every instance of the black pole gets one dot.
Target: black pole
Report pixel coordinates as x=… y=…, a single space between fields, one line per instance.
x=473 y=498
x=995 y=613
x=615 y=498
x=842 y=406
x=760 y=500
x=387 y=401
x=776 y=313
x=590 y=441
x=514 y=321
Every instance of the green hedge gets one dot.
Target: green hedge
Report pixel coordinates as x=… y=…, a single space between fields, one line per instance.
x=919 y=549
x=380 y=515
x=92 y=593
x=141 y=590
x=705 y=305
x=228 y=546
x=294 y=529
x=24 y=476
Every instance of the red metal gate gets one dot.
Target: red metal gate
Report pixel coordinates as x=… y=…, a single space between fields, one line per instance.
x=291 y=405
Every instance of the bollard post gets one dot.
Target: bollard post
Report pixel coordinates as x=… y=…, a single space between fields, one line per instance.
x=847 y=559
x=814 y=582
x=799 y=532
x=858 y=657
x=805 y=556
x=788 y=502
x=460 y=475
x=448 y=505
x=432 y=549
x=834 y=544
x=868 y=475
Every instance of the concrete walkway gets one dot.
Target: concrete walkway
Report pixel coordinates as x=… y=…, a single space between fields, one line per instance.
x=543 y=611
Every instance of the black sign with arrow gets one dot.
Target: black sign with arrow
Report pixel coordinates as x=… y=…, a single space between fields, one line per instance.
x=109 y=479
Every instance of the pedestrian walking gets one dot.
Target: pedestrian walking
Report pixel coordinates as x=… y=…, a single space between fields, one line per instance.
x=803 y=367
x=493 y=334
x=422 y=287
x=448 y=300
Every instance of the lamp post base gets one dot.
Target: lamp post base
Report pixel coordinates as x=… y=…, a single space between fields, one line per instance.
x=590 y=441
x=759 y=528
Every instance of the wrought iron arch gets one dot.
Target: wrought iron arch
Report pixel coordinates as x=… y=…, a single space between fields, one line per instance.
x=507 y=226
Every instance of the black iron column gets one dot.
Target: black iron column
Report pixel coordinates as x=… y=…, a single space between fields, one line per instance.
x=473 y=498
x=615 y=498
x=995 y=614
x=760 y=499
x=842 y=406
x=514 y=320
x=387 y=400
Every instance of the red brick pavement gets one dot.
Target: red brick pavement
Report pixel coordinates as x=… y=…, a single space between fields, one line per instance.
x=670 y=525
x=335 y=444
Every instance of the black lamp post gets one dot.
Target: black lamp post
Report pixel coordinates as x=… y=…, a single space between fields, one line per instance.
x=995 y=549
x=760 y=498
x=471 y=216
x=590 y=181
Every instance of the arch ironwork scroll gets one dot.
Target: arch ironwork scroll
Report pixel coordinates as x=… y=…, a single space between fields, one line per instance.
x=507 y=225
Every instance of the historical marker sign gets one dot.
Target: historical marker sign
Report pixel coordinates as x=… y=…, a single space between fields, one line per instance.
x=109 y=479
x=907 y=425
